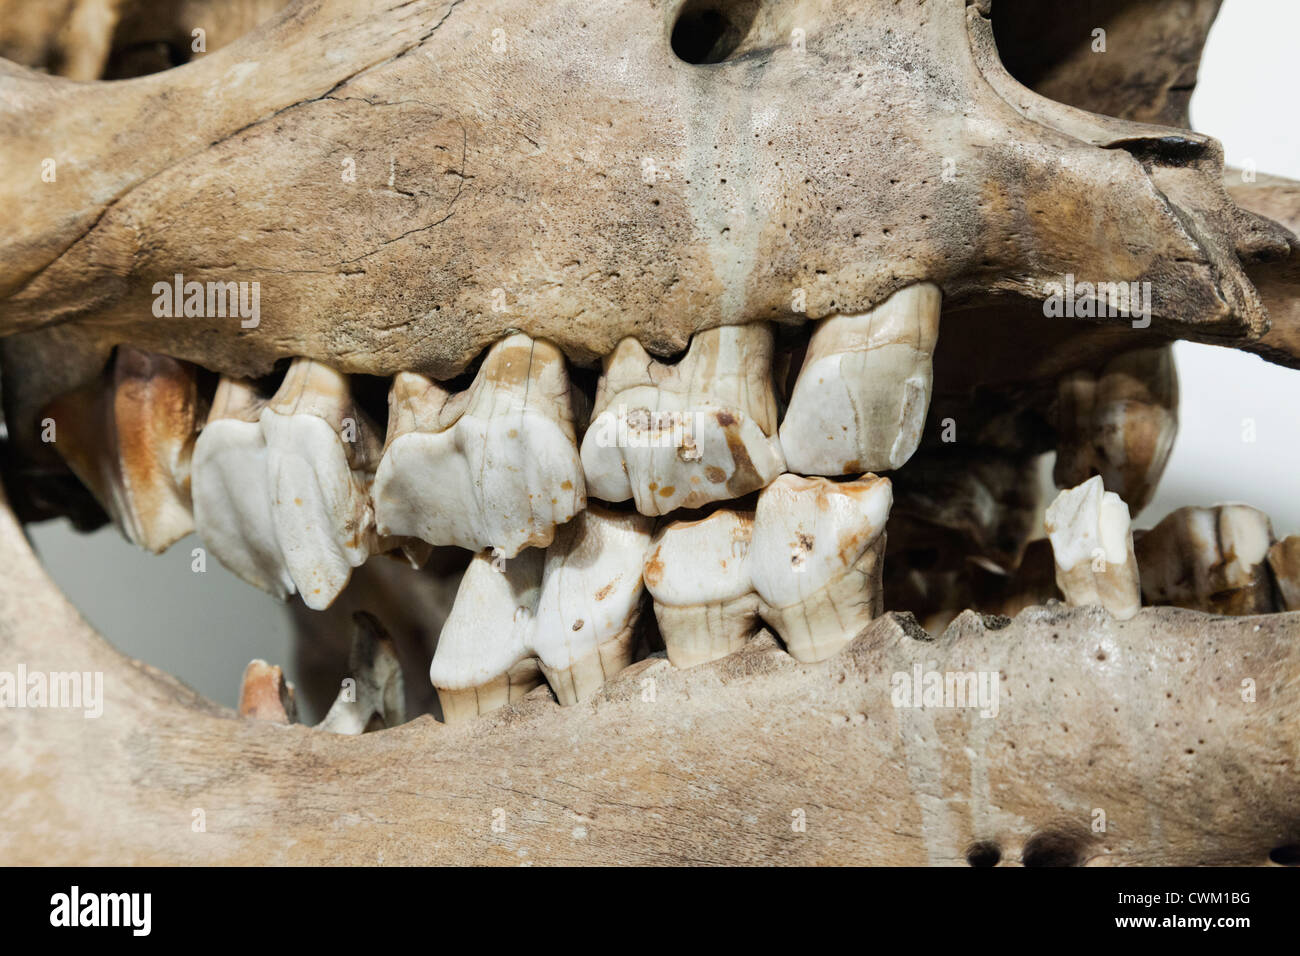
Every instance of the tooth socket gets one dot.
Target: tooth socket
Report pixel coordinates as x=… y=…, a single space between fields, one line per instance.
x=462 y=704
x=588 y=674
x=702 y=633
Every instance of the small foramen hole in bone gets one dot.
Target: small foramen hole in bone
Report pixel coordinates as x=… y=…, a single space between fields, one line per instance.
x=1286 y=855
x=1053 y=848
x=709 y=31
x=984 y=854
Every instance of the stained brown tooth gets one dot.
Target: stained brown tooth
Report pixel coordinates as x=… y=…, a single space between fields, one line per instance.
x=264 y=694
x=1284 y=560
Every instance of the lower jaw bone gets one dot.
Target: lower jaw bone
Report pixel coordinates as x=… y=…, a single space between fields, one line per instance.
x=1093 y=548
x=816 y=560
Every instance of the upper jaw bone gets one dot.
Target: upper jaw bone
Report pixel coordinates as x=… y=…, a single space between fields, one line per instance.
x=680 y=436
x=321 y=454
x=1092 y=544
x=129 y=437
x=496 y=466
x=860 y=401
x=816 y=559
x=698 y=574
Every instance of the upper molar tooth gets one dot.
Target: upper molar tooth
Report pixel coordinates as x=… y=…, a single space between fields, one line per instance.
x=232 y=491
x=321 y=453
x=495 y=466
x=1092 y=544
x=816 y=559
x=129 y=437
x=698 y=574
x=680 y=436
x=860 y=401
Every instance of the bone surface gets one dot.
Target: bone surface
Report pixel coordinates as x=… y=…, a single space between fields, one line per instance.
x=815 y=559
x=1209 y=559
x=698 y=574
x=494 y=467
x=1092 y=544
x=860 y=401
x=1284 y=561
x=372 y=697
x=680 y=436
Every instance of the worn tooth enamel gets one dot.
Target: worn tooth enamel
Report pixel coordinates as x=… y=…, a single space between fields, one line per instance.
x=590 y=600
x=680 y=436
x=484 y=658
x=1118 y=423
x=264 y=694
x=129 y=437
x=321 y=454
x=1092 y=544
x=1209 y=559
x=816 y=559
x=495 y=466
x=860 y=401
x=698 y=574
x=232 y=492
x=1284 y=560
x=372 y=696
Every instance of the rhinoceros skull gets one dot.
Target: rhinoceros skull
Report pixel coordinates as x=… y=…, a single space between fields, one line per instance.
x=726 y=331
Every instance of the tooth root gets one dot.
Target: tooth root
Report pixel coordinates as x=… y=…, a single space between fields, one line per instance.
x=129 y=438
x=1119 y=424
x=816 y=559
x=1092 y=545
x=496 y=466
x=484 y=659
x=321 y=453
x=680 y=436
x=372 y=697
x=860 y=401
x=1284 y=559
x=698 y=574
x=590 y=601
x=264 y=694
x=1209 y=559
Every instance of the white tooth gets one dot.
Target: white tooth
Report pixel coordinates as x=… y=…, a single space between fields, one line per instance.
x=698 y=574
x=264 y=694
x=129 y=437
x=375 y=697
x=484 y=659
x=495 y=466
x=680 y=436
x=1092 y=545
x=816 y=559
x=860 y=401
x=590 y=600
x=1209 y=559
x=232 y=491
x=1284 y=559
x=321 y=454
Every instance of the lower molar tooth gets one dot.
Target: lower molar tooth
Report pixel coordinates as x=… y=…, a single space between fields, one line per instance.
x=680 y=436
x=1093 y=548
x=264 y=694
x=495 y=466
x=860 y=401
x=698 y=574
x=373 y=697
x=321 y=454
x=1284 y=560
x=484 y=658
x=1209 y=559
x=129 y=437
x=590 y=600
x=815 y=559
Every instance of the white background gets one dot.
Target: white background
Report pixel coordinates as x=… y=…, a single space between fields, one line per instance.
x=205 y=628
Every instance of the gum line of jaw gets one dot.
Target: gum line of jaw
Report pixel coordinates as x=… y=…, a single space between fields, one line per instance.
x=295 y=489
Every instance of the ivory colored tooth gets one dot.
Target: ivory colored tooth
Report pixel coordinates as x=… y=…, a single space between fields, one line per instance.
x=232 y=491
x=680 y=436
x=495 y=466
x=1119 y=423
x=129 y=437
x=698 y=574
x=1092 y=544
x=264 y=694
x=372 y=696
x=1209 y=559
x=860 y=401
x=590 y=600
x=1284 y=559
x=816 y=559
x=321 y=455
x=484 y=658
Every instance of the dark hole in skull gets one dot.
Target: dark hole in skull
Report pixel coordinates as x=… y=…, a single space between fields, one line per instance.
x=710 y=31
x=1287 y=855
x=984 y=854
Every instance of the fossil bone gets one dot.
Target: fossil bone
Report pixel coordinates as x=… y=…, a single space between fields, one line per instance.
x=1092 y=545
